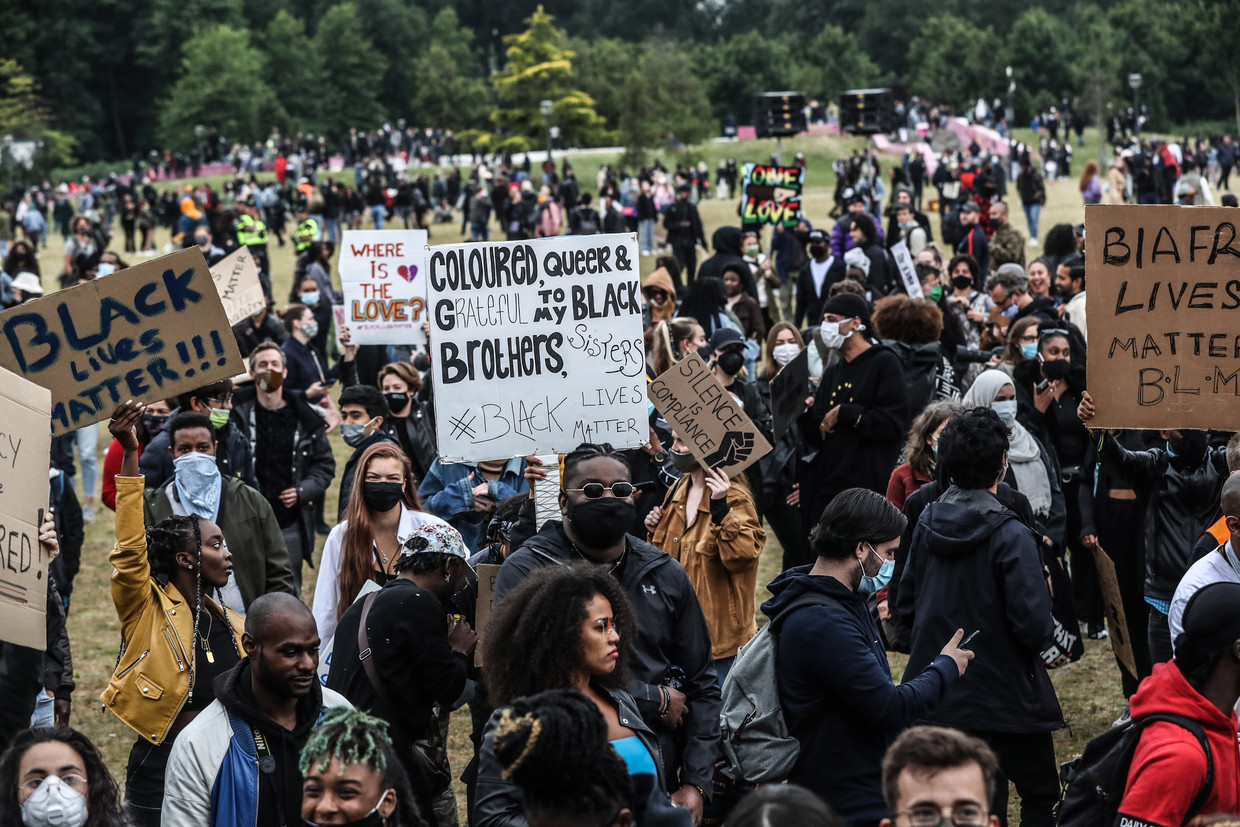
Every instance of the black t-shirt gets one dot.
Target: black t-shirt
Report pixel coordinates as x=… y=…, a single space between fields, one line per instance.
x=273 y=461
x=215 y=652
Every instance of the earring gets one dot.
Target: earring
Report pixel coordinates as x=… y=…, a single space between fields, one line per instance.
x=447 y=577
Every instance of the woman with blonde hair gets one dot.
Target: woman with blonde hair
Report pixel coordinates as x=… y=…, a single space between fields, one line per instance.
x=365 y=546
x=673 y=341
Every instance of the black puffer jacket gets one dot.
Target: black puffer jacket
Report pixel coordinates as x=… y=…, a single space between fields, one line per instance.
x=974 y=565
x=672 y=638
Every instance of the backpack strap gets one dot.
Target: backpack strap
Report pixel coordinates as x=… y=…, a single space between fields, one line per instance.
x=807 y=599
x=1195 y=728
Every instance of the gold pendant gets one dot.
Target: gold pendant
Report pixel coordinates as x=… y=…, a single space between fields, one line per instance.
x=210 y=658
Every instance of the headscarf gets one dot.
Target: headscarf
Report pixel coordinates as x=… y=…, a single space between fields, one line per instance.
x=1024 y=452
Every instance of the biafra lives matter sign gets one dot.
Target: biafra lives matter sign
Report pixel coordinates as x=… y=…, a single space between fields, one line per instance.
x=772 y=195
x=536 y=346
x=146 y=333
x=383 y=273
x=1162 y=301
x=25 y=443
x=707 y=417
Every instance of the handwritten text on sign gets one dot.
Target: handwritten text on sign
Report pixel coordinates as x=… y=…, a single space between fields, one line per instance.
x=383 y=273
x=537 y=346
x=1162 y=300
x=147 y=332
x=236 y=280
x=25 y=443
x=772 y=195
x=707 y=417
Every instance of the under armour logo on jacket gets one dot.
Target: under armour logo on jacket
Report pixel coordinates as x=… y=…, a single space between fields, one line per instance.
x=650 y=590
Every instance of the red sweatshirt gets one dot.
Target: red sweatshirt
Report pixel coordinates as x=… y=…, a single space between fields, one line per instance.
x=1169 y=766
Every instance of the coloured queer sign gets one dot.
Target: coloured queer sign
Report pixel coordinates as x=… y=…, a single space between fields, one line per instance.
x=772 y=195
x=707 y=417
x=236 y=281
x=537 y=346
x=383 y=273
x=1164 y=288
x=147 y=332
x=25 y=443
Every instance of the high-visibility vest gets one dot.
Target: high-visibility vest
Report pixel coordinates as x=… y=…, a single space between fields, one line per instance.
x=251 y=231
x=307 y=234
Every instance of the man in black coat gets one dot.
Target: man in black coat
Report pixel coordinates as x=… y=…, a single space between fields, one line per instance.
x=684 y=231
x=815 y=279
x=673 y=673
x=975 y=242
x=974 y=565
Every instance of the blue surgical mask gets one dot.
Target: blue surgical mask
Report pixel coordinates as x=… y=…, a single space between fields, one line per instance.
x=1006 y=411
x=309 y=299
x=872 y=584
x=198 y=484
x=105 y=269
x=1029 y=350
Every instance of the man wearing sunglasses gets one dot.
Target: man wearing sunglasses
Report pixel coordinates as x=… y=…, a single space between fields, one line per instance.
x=672 y=671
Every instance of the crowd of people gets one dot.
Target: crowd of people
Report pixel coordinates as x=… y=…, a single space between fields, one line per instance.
x=938 y=491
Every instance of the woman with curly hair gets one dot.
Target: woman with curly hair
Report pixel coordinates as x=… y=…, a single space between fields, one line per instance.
x=175 y=640
x=922 y=450
x=364 y=546
x=567 y=627
x=352 y=775
x=54 y=775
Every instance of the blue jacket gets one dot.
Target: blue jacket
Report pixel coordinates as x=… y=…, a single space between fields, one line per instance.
x=837 y=695
x=448 y=493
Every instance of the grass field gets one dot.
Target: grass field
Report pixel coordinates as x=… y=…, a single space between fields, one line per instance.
x=1089 y=691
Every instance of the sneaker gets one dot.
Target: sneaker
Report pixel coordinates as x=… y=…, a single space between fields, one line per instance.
x=1122 y=719
x=1098 y=632
x=1033 y=242
x=88 y=513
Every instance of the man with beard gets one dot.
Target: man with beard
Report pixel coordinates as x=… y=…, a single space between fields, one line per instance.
x=1070 y=285
x=673 y=674
x=237 y=763
x=1179 y=485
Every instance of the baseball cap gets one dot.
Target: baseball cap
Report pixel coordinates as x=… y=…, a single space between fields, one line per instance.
x=970 y=206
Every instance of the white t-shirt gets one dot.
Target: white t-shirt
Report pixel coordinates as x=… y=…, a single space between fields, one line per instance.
x=1215 y=567
x=818 y=272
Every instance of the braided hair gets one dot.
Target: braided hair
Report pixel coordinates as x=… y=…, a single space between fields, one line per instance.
x=554 y=747
x=352 y=737
x=587 y=451
x=533 y=641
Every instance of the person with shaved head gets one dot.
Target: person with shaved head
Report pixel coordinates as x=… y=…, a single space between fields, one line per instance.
x=238 y=762
x=1222 y=565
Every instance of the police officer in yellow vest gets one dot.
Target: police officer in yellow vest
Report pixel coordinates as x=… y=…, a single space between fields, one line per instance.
x=252 y=233
x=308 y=232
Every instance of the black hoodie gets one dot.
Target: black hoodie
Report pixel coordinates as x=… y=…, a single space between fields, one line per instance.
x=727 y=244
x=232 y=689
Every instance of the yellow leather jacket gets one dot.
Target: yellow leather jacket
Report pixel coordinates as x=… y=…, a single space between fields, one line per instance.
x=152 y=678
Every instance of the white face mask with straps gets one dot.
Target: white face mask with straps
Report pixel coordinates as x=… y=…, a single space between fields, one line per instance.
x=831 y=335
x=54 y=804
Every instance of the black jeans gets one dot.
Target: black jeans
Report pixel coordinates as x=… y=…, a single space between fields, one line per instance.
x=1159 y=636
x=144 y=781
x=1028 y=760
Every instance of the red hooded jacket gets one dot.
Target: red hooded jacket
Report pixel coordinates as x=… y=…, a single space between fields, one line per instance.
x=1169 y=766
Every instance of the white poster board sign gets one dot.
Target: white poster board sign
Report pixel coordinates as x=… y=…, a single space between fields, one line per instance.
x=536 y=346
x=908 y=270
x=383 y=273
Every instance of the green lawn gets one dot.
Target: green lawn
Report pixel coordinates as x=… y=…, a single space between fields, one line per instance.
x=1089 y=691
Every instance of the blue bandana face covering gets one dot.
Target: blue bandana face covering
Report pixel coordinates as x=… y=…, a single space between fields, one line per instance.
x=198 y=484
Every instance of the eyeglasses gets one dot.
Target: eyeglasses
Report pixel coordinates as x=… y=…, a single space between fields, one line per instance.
x=220 y=401
x=595 y=490
x=962 y=815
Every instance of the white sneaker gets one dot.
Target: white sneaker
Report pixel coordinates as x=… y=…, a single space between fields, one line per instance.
x=1033 y=242
x=88 y=513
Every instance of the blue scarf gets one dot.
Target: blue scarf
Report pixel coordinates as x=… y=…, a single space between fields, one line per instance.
x=198 y=484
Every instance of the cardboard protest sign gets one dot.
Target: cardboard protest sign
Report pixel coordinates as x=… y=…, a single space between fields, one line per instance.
x=789 y=390
x=707 y=418
x=1117 y=623
x=772 y=195
x=487 y=574
x=908 y=270
x=25 y=445
x=1163 y=290
x=146 y=332
x=236 y=281
x=537 y=346
x=383 y=273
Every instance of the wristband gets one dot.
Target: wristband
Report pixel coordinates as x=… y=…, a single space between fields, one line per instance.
x=665 y=703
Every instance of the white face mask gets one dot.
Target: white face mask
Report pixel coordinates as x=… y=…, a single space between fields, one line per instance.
x=831 y=335
x=783 y=354
x=54 y=804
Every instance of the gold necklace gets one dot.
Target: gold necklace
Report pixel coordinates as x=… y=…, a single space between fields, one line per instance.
x=206 y=644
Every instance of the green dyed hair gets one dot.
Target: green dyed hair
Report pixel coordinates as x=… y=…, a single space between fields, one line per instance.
x=349 y=736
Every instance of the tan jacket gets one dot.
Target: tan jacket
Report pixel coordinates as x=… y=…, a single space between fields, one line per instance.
x=152 y=677
x=720 y=559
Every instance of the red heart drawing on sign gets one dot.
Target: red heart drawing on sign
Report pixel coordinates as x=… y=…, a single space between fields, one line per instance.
x=408 y=273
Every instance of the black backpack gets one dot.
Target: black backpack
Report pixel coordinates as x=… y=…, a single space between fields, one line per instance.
x=1093 y=784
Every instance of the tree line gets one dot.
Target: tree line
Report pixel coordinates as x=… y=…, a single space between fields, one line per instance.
x=106 y=79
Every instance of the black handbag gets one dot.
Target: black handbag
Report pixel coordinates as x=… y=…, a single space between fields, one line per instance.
x=429 y=769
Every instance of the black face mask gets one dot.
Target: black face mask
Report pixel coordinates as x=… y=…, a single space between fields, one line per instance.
x=962 y=282
x=1056 y=369
x=601 y=523
x=817 y=250
x=1192 y=449
x=684 y=463
x=731 y=362
x=396 y=401
x=382 y=496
